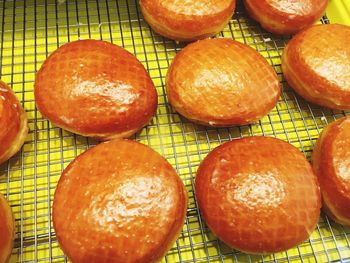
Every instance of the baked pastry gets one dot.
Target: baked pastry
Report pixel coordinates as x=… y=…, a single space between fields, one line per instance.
x=331 y=162
x=187 y=20
x=95 y=89
x=7 y=230
x=221 y=82
x=316 y=64
x=13 y=123
x=118 y=202
x=259 y=195
x=286 y=17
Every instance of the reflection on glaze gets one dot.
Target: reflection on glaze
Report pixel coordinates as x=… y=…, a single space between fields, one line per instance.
x=254 y=190
x=133 y=199
x=66 y=119
x=331 y=63
x=343 y=170
x=120 y=93
x=194 y=7
x=221 y=79
x=335 y=68
x=295 y=7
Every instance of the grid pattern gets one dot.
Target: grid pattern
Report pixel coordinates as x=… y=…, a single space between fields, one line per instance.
x=32 y=29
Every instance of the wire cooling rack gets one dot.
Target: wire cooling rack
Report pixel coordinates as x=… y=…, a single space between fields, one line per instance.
x=31 y=30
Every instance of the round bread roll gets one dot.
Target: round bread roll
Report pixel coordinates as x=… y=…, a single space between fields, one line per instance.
x=95 y=89
x=187 y=20
x=13 y=123
x=316 y=64
x=331 y=162
x=118 y=202
x=221 y=82
x=286 y=17
x=258 y=195
x=7 y=230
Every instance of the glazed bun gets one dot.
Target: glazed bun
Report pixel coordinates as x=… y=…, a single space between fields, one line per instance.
x=118 y=202
x=13 y=123
x=258 y=195
x=316 y=64
x=221 y=82
x=7 y=230
x=96 y=89
x=286 y=17
x=331 y=162
x=187 y=20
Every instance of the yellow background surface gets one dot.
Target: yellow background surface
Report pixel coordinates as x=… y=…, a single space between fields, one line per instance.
x=31 y=30
x=339 y=11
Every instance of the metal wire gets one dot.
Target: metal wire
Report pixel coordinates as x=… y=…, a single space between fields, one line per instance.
x=31 y=30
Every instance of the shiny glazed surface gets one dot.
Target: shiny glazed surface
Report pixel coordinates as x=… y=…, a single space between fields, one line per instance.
x=221 y=82
x=118 y=202
x=258 y=194
x=286 y=16
x=7 y=232
x=295 y=7
x=316 y=63
x=13 y=123
x=332 y=62
x=195 y=8
x=331 y=161
x=95 y=88
x=187 y=20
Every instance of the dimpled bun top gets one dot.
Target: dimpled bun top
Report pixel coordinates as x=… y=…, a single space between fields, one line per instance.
x=221 y=82
x=118 y=202
x=331 y=161
x=187 y=20
x=286 y=17
x=13 y=123
x=316 y=64
x=96 y=89
x=259 y=195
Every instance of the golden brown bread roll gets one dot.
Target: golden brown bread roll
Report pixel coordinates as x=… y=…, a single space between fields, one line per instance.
x=316 y=64
x=95 y=89
x=187 y=20
x=7 y=230
x=285 y=17
x=331 y=162
x=13 y=123
x=221 y=82
x=258 y=195
x=118 y=202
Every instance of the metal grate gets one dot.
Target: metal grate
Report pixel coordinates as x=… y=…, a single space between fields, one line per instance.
x=32 y=29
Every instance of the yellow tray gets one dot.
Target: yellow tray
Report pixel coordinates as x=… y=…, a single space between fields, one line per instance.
x=31 y=30
x=339 y=11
